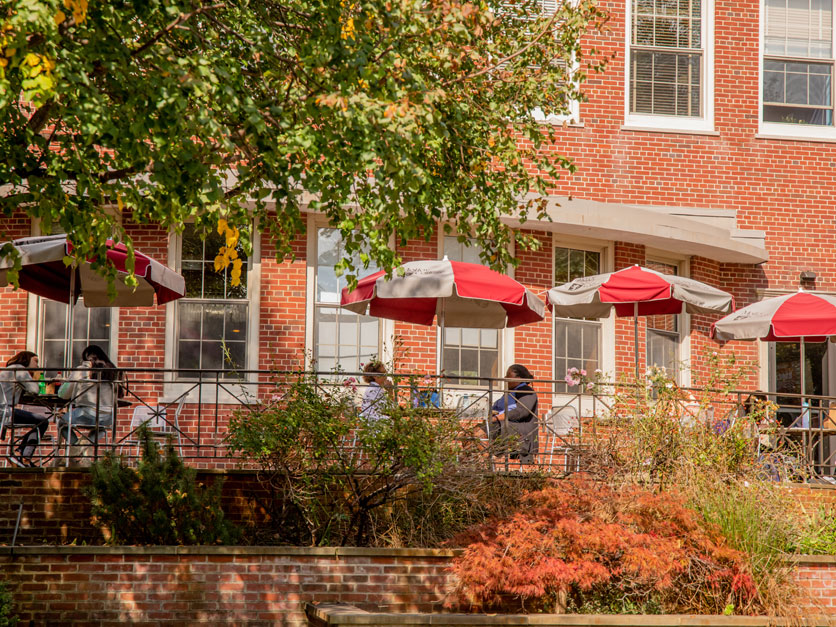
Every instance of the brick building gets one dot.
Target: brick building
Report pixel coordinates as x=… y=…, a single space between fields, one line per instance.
x=705 y=149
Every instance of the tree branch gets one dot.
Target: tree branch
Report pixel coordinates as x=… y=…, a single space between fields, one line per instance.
x=183 y=17
x=538 y=37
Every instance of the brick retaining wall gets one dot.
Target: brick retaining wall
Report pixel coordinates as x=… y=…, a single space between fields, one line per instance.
x=253 y=585
x=55 y=510
x=76 y=585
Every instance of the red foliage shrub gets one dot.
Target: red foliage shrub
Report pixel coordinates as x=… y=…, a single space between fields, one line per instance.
x=587 y=545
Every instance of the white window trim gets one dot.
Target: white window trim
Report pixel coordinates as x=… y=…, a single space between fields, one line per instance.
x=206 y=393
x=673 y=122
x=506 y=336
x=777 y=130
x=387 y=327
x=34 y=331
x=607 y=348
x=684 y=266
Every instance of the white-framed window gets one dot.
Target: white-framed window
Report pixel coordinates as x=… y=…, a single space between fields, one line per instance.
x=573 y=115
x=797 y=63
x=664 y=332
x=472 y=354
x=94 y=325
x=342 y=340
x=213 y=320
x=577 y=341
x=670 y=65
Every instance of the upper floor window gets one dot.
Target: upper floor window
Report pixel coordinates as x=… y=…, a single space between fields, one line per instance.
x=670 y=64
x=342 y=339
x=798 y=63
x=213 y=316
x=577 y=341
x=465 y=352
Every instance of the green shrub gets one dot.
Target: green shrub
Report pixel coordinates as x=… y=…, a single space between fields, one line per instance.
x=7 y=615
x=337 y=478
x=818 y=533
x=158 y=502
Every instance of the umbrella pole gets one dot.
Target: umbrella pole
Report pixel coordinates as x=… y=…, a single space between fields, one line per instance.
x=68 y=352
x=636 y=337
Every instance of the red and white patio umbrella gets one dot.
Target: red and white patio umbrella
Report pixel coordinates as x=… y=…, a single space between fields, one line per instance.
x=636 y=291
x=43 y=272
x=799 y=317
x=458 y=294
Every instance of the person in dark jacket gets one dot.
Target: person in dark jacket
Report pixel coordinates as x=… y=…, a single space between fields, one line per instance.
x=515 y=414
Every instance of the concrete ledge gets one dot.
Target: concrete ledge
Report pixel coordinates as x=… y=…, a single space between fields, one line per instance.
x=326 y=614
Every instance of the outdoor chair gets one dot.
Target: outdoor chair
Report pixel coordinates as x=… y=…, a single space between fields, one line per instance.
x=561 y=423
x=17 y=433
x=159 y=422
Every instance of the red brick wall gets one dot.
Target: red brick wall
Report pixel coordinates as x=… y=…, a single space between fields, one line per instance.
x=216 y=585
x=252 y=585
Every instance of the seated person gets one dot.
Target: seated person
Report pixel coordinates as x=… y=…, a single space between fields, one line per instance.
x=516 y=414
x=379 y=392
x=19 y=377
x=94 y=386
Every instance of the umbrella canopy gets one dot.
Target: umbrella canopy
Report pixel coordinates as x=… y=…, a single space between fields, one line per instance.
x=44 y=273
x=787 y=318
x=460 y=294
x=636 y=291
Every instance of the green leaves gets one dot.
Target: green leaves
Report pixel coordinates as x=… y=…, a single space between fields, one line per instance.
x=392 y=116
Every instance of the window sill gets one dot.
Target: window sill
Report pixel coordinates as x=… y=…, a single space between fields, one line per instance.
x=562 y=123
x=226 y=393
x=662 y=129
x=788 y=137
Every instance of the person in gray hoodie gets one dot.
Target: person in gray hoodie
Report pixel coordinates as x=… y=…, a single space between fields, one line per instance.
x=93 y=389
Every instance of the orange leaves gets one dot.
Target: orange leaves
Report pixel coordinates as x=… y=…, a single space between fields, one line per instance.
x=582 y=539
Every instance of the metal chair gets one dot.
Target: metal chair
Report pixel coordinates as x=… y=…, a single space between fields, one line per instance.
x=159 y=424
x=561 y=422
x=7 y=425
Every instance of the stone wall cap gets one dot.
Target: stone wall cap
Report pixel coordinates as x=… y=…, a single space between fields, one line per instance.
x=342 y=614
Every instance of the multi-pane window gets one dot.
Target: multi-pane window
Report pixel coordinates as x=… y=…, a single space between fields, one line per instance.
x=577 y=342
x=798 y=62
x=667 y=55
x=342 y=339
x=90 y=326
x=212 y=317
x=663 y=331
x=471 y=354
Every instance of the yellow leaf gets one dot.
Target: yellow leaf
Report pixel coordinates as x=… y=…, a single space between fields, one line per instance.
x=219 y=263
x=60 y=17
x=221 y=226
x=231 y=237
x=119 y=202
x=233 y=254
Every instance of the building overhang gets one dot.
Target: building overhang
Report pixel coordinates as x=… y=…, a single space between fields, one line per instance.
x=708 y=233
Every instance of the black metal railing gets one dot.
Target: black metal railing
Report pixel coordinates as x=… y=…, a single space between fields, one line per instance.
x=193 y=408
